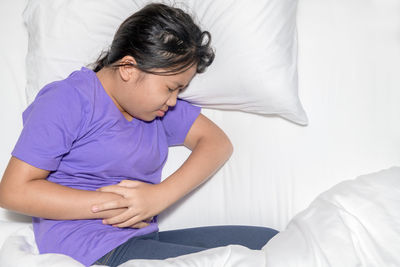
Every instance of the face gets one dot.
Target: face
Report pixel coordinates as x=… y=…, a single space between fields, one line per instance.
x=147 y=96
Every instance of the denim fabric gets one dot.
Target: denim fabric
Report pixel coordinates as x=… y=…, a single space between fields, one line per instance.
x=167 y=244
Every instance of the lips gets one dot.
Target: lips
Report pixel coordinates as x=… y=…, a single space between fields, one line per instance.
x=161 y=113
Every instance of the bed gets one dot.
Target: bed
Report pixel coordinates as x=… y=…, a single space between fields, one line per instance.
x=314 y=124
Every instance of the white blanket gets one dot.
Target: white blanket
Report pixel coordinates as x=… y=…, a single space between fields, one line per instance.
x=355 y=223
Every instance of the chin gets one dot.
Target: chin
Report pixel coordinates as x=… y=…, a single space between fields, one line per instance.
x=146 y=117
x=149 y=118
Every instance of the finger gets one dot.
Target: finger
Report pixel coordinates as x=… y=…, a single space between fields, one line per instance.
x=113 y=189
x=149 y=219
x=114 y=204
x=133 y=223
x=129 y=183
x=120 y=218
x=140 y=225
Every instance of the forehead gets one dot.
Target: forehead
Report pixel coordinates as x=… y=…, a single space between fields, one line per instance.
x=185 y=76
x=180 y=79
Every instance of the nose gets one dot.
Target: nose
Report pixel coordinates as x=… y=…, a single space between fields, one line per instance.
x=171 y=102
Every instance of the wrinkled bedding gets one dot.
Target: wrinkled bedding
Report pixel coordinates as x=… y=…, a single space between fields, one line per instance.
x=355 y=223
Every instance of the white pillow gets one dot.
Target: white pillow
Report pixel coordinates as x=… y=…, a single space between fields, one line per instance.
x=255 y=69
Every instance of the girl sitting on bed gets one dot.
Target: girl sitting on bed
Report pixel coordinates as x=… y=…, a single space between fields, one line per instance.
x=88 y=162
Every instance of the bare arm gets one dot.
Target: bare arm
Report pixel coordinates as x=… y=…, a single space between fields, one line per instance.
x=24 y=189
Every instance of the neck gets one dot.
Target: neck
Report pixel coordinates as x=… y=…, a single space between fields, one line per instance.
x=109 y=82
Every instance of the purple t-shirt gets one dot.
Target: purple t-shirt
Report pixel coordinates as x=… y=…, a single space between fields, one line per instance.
x=74 y=130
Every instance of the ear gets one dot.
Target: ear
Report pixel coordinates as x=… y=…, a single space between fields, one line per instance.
x=128 y=71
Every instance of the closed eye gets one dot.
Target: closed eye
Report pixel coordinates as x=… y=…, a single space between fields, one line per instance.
x=173 y=89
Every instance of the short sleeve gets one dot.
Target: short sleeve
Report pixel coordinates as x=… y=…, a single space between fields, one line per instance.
x=51 y=124
x=178 y=120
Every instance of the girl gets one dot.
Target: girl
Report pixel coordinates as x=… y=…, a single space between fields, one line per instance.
x=88 y=162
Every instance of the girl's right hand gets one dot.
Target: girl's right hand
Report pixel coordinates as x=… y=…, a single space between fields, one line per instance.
x=140 y=200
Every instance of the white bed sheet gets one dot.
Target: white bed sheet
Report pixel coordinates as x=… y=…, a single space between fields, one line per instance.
x=349 y=61
x=349 y=57
x=355 y=223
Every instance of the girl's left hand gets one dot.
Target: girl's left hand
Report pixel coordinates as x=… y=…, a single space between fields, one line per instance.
x=141 y=200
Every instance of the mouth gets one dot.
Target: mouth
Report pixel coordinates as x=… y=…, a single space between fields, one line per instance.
x=161 y=112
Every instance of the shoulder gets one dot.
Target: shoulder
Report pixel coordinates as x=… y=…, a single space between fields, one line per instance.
x=178 y=121
x=182 y=111
x=68 y=100
x=75 y=91
x=183 y=106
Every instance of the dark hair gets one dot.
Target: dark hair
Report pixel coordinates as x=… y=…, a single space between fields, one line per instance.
x=159 y=37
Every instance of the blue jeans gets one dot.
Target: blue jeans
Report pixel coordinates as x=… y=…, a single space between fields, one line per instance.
x=167 y=244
